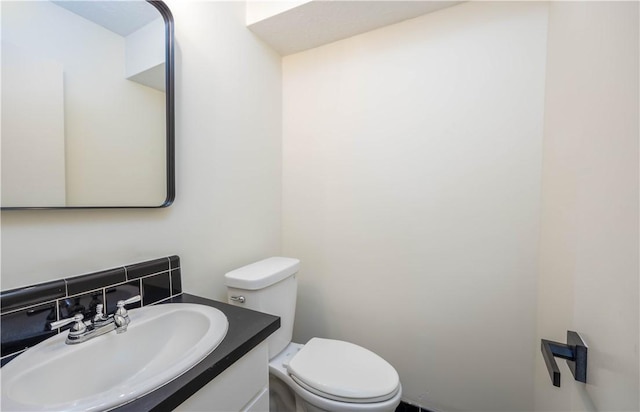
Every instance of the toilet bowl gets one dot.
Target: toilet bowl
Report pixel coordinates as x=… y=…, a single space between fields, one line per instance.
x=323 y=374
x=360 y=395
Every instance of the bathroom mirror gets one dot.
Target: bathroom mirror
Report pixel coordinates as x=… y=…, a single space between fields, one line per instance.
x=87 y=104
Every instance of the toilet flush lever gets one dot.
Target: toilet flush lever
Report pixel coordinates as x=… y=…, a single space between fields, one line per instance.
x=239 y=299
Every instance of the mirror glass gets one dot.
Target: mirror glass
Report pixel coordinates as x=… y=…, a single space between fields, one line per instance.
x=87 y=104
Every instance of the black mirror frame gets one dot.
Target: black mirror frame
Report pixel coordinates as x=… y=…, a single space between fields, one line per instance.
x=170 y=121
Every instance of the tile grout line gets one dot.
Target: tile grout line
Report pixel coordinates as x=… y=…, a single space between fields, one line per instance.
x=141 y=292
x=170 y=278
x=8 y=312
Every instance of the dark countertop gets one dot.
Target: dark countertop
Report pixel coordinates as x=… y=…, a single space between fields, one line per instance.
x=247 y=328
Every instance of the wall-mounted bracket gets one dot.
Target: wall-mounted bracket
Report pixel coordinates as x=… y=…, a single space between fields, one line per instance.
x=574 y=351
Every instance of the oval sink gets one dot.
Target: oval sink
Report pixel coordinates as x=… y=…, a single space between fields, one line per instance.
x=161 y=343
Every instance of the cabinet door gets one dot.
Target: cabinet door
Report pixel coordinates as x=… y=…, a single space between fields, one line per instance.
x=260 y=403
x=235 y=388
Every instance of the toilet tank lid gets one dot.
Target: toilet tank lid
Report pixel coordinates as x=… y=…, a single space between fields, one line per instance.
x=261 y=274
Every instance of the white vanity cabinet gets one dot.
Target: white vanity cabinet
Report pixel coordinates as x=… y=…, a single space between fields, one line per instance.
x=243 y=386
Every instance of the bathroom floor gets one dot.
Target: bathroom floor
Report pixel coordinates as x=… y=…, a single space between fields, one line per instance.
x=405 y=407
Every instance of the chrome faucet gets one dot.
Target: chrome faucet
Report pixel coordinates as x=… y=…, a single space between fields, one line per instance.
x=82 y=331
x=121 y=317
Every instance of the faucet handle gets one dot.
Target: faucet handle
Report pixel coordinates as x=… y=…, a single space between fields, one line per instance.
x=122 y=311
x=78 y=328
x=122 y=303
x=134 y=299
x=121 y=317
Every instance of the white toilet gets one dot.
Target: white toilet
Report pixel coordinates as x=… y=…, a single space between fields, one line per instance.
x=322 y=375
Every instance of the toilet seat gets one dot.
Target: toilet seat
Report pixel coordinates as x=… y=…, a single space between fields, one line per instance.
x=343 y=399
x=344 y=372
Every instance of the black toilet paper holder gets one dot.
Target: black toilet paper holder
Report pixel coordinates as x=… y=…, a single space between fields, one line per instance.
x=574 y=351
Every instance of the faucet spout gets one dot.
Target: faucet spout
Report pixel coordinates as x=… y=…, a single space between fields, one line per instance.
x=92 y=331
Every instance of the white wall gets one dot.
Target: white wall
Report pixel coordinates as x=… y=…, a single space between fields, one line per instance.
x=589 y=229
x=227 y=209
x=411 y=194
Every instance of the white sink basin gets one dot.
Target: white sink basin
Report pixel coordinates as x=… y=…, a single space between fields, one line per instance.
x=161 y=343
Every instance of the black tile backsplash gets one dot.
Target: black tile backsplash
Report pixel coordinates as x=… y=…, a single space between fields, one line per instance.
x=32 y=295
x=28 y=311
x=176 y=282
x=95 y=280
x=147 y=268
x=122 y=292
x=26 y=327
x=156 y=288
x=84 y=303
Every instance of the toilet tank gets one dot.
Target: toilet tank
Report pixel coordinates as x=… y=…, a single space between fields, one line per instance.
x=268 y=286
